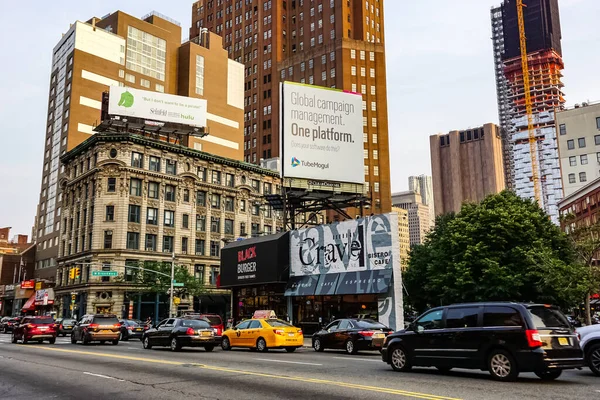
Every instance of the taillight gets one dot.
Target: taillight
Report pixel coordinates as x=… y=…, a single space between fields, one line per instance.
x=299 y=331
x=279 y=331
x=29 y=326
x=94 y=326
x=366 y=333
x=533 y=338
x=190 y=332
x=61 y=327
x=130 y=328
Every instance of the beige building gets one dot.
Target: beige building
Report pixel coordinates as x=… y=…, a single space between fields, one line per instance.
x=130 y=198
x=403 y=235
x=418 y=214
x=466 y=166
x=146 y=54
x=579 y=145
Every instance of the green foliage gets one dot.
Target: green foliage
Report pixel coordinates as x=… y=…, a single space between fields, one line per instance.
x=150 y=281
x=503 y=249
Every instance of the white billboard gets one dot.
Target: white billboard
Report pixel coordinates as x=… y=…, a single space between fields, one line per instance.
x=157 y=106
x=322 y=134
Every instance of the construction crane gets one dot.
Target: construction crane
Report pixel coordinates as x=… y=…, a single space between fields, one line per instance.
x=527 y=89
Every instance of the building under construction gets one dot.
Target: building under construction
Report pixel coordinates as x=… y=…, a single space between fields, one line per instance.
x=544 y=59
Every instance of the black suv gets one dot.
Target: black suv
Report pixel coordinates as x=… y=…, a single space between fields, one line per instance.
x=503 y=338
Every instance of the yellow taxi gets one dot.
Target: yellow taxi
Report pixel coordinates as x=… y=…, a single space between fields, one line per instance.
x=263 y=332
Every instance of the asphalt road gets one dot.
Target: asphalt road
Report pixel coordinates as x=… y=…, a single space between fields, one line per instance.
x=126 y=371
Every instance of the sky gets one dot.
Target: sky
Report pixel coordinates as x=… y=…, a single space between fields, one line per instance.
x=440 y=77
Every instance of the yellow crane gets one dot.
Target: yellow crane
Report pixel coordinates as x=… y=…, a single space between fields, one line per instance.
x=527 y=89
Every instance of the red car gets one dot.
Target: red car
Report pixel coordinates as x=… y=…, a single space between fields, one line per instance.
x=35 y=328
x=214 y=320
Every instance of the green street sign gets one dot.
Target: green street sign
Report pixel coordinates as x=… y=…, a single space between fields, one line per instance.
x=104 y=273
x=178 y=284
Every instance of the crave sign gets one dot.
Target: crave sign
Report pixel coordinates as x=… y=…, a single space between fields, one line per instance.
x=156 y=106
x=322 y=134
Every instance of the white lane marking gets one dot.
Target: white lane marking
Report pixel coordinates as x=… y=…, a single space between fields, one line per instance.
x=132 y=348
x=359 y=359
x=103 y=376
x=287 y=362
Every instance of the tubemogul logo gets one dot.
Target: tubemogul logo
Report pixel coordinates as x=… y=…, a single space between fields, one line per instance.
x=295 y=162
x=309 y=164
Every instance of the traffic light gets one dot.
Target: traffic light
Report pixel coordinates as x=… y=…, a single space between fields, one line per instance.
x=72 y=273
x=73 y=297
x=77 y=272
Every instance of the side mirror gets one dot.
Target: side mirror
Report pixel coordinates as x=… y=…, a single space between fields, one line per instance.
x=420 y=329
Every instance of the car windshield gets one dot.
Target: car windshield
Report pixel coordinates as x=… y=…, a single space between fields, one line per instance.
x=277 y=323
x=68 y=322
x=132 y=323
x=195 y=323
x=545 y=317
x=106 y=320
x=369 y=324
x=40 y=321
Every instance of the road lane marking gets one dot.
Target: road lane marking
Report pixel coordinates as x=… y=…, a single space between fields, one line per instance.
x=357 y=358
x=103 y=376
x=324 y=382
x=287 y=362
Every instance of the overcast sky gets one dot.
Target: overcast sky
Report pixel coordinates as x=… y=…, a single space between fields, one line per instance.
x=440 y=77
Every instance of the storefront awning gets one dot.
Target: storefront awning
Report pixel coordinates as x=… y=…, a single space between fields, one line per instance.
x=327 y=284
x=29 y=304
x=364 y=282
x=302 y=285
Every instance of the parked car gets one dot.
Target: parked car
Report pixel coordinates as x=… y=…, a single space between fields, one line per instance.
x=7 y=324
x=503 y=338
x=575 y=323
x=590 y=343
x=97 y=328
x=213 y=319
x=64 y=326
x=180 y=332
x=351 y=335
x=263 y=334
x=130 y=329
x=34 y=328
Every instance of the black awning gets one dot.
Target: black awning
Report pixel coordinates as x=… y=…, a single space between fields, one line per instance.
x=213 y=299
x=302 y=285
x=364 y=282
x=327 y=284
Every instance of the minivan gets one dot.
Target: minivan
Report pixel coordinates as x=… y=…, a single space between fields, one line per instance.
x=503 y=338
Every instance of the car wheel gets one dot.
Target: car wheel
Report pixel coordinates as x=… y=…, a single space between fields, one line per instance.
x=290 y=349
x=73 y=339
x=350 y=347
x=399 y=359
x=225 y=343
x=115 y=342
x=146 y=343
x=52 y=341
x=13 y=338
x=318 y=345
x=502 y=366
x=175 y=345
x=444 y=369
x=24 y=339
x=549 y=375
x=261 y=345
x=593 y=358
x=209 y=348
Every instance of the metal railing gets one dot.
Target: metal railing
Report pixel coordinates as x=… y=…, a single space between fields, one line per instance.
x=157 y=14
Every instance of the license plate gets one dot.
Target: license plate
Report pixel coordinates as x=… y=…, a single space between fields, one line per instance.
x=138 y=329
x=291 y=334
x=378 y=335
x=106 y=331
x=563 y=341
x=43 y=328
x=68 y=327
x=206 y=333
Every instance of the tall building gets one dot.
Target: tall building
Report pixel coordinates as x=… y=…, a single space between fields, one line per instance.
x=147 y=54
x=403 y=235
x=544 y=53
x=418 y=214
x=336 y=43
x=423 y=185
x=142 y=199
x=579 y=145
x=466 y=166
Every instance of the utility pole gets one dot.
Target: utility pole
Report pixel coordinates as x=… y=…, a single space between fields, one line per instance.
x=172 y=280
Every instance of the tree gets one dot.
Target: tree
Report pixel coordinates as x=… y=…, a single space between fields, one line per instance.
x=504 y=249
x=585 y=239
x=148 y=280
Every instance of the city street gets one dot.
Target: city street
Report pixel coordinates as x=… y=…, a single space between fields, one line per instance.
x=68 y=371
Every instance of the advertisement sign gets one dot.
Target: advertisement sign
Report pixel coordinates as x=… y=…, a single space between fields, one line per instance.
x=255 y=261
x=322 y=134
x=28 y=284
x=156 y=106
x=44 y=297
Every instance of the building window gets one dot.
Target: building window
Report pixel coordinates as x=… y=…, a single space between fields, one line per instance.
x=171 y=168
x=200 y=246
x=199 y=75
x=598 y=157
x=256 y=209
x=215 y=248
x=214 y=272
x=229 y=227
x=375 y=155
x=353 y=70
x=153 y=190
x=186 y=195
x=152 y=216
x=169 y=193
x=135 y=187
x=256 y=185
x=168 y=244
x=583 y=159
x=202 y=174
x=376 y=187
x=137 y=160
x=133 y=241
x=582 y=177
x=562 y=129
x=229 y=203
x=597 y=140
x=581 y=142
x=169 y=218
x=185 y=221
x=110 y=213
x=134 y=213
x=572 y=161
x=199 y=270
x=184 y=245
x=229 y=180
x=146 y=53
x=597 y=122
x=200 y=223
x=154 y=164
x=150 y=242
x=570 y=144
x=215 y=200
x=254 y=229
x=215 y=224
x=216 y=177
x=201 y=198
x=112 y=185
x=108 y=239
x=352 y=54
